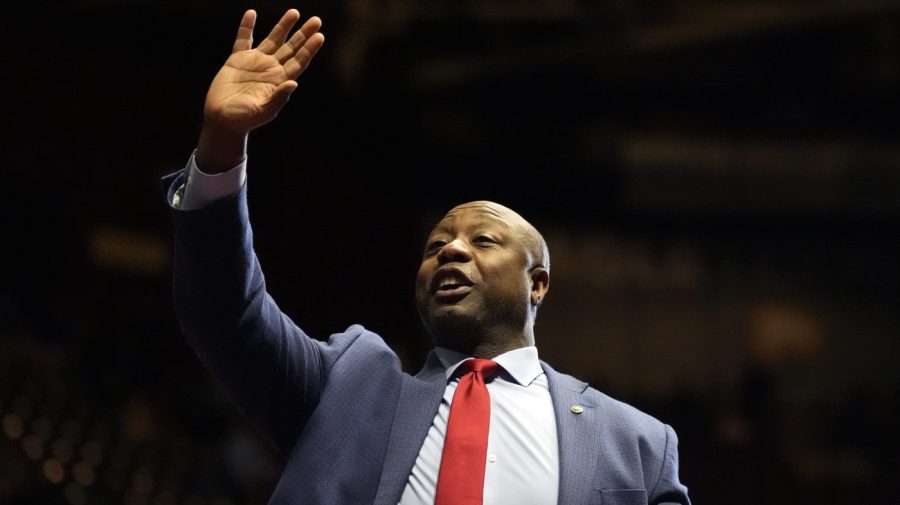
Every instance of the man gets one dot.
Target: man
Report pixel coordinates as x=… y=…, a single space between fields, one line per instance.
x=484 y=421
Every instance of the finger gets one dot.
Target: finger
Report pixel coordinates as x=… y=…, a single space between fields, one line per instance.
x=290 y=48
x=298 y=64
x=244 y=39
x=279 y=32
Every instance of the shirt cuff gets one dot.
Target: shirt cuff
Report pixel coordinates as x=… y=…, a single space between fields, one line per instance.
x=202 y=189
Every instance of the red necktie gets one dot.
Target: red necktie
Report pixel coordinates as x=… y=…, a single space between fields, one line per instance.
x=461 y=478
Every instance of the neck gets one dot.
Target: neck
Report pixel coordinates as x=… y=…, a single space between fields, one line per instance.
x=486 y=345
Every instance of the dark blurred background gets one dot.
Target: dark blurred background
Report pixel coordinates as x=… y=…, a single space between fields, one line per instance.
x=719 y=183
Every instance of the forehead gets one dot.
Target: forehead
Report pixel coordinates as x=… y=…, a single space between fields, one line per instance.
x=476 y=214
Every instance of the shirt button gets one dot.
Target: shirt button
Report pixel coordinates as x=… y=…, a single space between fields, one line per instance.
x=492 y=458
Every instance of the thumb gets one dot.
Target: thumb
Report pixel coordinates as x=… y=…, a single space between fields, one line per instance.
x=281 y=95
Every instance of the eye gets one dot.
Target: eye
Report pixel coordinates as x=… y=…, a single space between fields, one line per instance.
x=434 y=246
x=484 y=240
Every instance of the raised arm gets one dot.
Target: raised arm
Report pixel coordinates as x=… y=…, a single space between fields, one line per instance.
x=253 y=86
x=269 y=368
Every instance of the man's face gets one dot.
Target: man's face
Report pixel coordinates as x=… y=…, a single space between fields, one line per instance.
x=474 y=273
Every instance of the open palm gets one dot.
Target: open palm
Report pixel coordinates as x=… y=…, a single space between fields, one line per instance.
x=254 y=84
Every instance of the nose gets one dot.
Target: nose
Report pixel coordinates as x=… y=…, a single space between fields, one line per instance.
x=455 y=251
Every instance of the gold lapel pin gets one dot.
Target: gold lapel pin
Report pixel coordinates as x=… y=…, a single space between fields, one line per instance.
x=577 y=409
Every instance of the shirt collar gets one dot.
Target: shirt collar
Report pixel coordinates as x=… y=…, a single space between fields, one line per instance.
x=521 y=364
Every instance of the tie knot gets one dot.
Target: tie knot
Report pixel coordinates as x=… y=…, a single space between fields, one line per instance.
x=485 y=367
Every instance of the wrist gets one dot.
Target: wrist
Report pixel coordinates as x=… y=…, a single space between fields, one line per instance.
x=219 y=150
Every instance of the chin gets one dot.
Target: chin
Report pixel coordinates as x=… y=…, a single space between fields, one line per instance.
x=451 y=320
x=452 y=314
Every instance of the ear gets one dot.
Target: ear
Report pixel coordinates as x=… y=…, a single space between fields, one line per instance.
x=540 y=284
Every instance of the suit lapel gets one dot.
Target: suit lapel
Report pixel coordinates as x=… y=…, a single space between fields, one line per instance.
x=420 y=397
x=577 y=420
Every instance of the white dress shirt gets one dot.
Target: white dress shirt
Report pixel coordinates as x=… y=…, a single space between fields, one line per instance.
x=523 y=451
x=201 y=189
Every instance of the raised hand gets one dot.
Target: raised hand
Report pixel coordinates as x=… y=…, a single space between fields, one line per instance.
x=253 y=85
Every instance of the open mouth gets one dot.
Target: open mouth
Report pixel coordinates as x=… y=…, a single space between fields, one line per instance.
x=450 y=283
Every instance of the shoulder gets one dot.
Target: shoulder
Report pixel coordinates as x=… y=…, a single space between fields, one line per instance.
x=624 y=430
x=615 y=415
x=638 y=451
x=621 y=417
x=358 y=348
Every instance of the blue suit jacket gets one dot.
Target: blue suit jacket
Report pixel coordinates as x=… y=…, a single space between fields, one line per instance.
x=346 y=418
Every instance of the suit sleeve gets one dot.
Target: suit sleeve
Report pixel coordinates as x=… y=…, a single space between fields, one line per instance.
x=669 y=490
x=269 y=367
